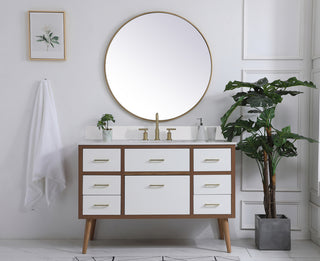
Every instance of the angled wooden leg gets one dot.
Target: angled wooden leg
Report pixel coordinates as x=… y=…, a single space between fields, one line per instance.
x=93 y=226
x=225 y=226
x=221 y=236
x=86 y=235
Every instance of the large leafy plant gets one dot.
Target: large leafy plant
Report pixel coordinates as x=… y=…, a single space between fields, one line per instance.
x=260 y=139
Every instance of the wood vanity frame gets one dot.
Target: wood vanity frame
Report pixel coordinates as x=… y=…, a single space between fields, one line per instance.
x=222 y=218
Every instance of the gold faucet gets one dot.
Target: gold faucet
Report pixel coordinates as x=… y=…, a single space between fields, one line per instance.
x=156 y=134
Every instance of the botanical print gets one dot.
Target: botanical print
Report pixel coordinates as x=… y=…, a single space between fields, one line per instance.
x=48 y=38
x=46 y=35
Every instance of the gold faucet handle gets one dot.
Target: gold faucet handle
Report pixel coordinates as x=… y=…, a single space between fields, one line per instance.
x=145 y=133
x=169 y=135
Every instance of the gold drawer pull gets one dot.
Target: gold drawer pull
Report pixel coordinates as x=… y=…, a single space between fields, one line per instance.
x=100 y=160
x=101 y=205
x=211 y=160
x=101 y=185
x=211 y=185
x=156 y=160
x=211 y=205
x=156 y=185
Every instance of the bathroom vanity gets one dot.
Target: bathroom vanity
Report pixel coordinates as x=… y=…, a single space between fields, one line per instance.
x=122 y=180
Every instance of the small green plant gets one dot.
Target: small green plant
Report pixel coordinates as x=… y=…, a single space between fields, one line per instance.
x=103 y=123
x=263 y=142
x=48 y=38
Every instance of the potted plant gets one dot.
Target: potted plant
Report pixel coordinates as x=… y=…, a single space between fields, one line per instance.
x=103 y=124
x=267 y=145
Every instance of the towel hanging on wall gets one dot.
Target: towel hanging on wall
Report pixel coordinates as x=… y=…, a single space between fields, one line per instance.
x=45 y=173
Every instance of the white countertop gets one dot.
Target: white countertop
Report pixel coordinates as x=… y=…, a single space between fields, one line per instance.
x=153 y=142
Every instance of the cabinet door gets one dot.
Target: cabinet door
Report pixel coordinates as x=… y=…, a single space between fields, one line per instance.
x=212 y=184
x=101 y=205
x=157 y=195
x=212 y=159
x=101 y=185
x=101 y=160
x=157 y=160
x=212 y=204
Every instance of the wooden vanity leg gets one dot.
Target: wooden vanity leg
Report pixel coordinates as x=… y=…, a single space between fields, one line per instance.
x=86 y=235
x=221 y=236
x=93 y=226
x=225 y=225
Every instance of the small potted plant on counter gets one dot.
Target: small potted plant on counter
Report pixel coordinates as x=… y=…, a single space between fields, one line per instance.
x=103 y=124
x=267 y=145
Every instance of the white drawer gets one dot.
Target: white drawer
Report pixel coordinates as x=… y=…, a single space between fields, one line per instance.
x=157 y=160
x=101 y=185
x=212 y=159
x=101 y=205
x=212 y=184
x=212 y=204
x=157 y=195
x=101 y=160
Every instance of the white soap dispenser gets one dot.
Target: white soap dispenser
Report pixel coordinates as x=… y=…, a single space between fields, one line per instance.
x=201 y=135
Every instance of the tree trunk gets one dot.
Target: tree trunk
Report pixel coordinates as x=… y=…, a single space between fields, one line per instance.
x=265 y=181
x=272 y=176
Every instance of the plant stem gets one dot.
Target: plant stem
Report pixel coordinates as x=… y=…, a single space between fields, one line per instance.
x=272 y=175
x=266 y=201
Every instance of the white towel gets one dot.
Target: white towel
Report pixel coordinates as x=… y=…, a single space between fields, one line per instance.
x=45 y=173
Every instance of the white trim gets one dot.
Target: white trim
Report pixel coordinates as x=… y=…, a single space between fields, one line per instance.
x=260 y=203
x=299 y=56
x=314 y=17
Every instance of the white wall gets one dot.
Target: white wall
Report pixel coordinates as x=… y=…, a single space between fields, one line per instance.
x=81 y=96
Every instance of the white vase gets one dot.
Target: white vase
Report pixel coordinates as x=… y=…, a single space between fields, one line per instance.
x=107 y=135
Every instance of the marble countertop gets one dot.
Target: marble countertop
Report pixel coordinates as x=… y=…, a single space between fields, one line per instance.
x=153 y=142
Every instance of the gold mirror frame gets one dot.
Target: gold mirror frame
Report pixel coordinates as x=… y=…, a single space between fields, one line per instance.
x=210 y=56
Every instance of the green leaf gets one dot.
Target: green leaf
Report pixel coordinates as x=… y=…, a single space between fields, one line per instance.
x=236 y=128
x=55 y=38
x=265 y=118
x=225 y=117
x=291 y=82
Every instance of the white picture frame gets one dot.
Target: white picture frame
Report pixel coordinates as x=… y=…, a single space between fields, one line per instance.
x=47 y=35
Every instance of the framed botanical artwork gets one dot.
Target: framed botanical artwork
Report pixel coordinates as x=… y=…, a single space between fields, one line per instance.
x=47 y=35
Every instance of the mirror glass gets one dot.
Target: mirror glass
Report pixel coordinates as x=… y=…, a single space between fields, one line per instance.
x=158 y=62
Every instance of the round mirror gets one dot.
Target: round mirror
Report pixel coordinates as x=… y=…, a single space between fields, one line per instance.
x=158 y=62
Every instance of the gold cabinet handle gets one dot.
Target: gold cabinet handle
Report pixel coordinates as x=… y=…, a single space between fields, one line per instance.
x=100 y=160
x=211 y=160
x=211 y=185
x=101 y=185
x=211 y=205
x=101 y=205
x=156 y=160
x=156 y=185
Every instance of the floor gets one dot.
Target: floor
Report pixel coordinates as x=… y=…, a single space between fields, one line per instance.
x=63 y=250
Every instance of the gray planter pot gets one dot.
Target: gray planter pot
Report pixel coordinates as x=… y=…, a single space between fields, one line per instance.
x=273 y=233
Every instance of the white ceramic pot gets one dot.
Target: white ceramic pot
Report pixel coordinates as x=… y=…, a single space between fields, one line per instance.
x=107 y=135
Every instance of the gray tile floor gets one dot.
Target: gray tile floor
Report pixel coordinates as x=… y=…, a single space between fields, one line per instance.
x=63 y=250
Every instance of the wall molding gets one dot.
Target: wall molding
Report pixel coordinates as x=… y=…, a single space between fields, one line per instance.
x=315 y=3
x=243 y=186
x=298 y=56
x=259 y=204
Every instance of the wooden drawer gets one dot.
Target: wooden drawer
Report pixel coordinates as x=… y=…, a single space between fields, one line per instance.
x=212 y=184
x=157 y=195
x=157 y=160
x=212 y=204
x=101 y=160
x=101 y=185
x=101 y=205
x=212 y=159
